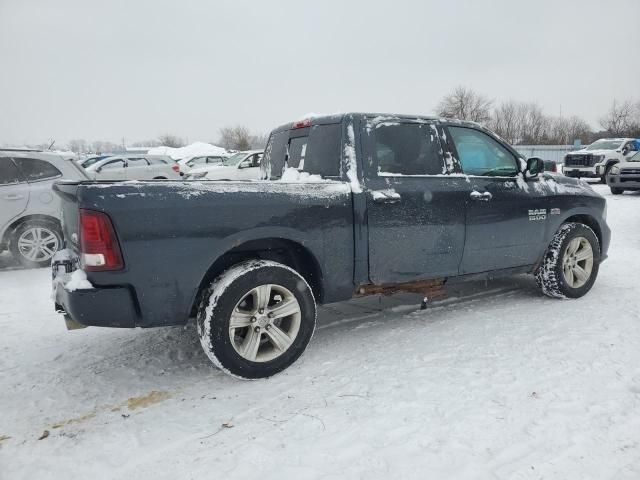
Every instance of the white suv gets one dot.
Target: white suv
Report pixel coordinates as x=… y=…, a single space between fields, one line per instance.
x=29 y=210
x=595 y=160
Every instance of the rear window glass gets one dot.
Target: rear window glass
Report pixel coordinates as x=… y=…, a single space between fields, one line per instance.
x=315 y=150
x=9 y=174
x=34 y=170
x=157 y=161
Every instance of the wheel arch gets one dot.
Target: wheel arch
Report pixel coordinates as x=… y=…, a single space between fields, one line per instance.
x=288 y=252
x=590 y=222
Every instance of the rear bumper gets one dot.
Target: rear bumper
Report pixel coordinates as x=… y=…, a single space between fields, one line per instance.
x=97 y=307
x=91 y=307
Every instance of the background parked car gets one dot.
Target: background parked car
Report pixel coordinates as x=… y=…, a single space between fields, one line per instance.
x=550 y=166
x=625 y=175
x=29 y=211
x=187 y=164
x=134 y=167
x=87 y=162
x=595 y=160
x=241 y=166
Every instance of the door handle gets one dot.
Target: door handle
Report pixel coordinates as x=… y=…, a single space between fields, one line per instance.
x=481 y=197
x=13 y=197
x=386 y=196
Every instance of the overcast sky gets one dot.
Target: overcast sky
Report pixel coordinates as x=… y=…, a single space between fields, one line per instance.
x=104 y=70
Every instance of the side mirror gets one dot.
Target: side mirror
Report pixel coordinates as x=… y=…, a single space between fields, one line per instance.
x=245 y=164
x=98 y=170
x=535 y=166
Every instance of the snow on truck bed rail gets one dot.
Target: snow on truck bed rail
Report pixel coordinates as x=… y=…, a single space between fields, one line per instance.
x=304 y=186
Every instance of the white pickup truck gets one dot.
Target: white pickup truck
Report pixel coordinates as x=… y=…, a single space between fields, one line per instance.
x=595 y=160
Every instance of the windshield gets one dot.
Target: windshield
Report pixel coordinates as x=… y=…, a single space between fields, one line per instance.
x=90 y=161
x=234 y=160
x=604 y=145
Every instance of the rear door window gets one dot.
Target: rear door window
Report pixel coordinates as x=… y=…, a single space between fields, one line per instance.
x=113 y=164
x=137 y=162
x=407 y=149
x=9 y=173
x=34 y=170
x=315 y=150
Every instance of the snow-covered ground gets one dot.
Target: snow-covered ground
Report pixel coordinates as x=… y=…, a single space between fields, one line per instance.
x=495 y=382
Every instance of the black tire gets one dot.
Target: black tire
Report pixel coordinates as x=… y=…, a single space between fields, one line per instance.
x=222 y=297
x=20 y=254
x=603 y=179
x=550 y=276
x=616 y=191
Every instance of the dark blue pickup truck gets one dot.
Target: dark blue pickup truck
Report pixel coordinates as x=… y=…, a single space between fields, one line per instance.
x=349 y=204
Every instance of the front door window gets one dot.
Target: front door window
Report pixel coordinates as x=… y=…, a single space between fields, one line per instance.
x=481 y=155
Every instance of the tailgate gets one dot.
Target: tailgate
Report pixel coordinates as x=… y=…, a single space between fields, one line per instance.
x=67 y=191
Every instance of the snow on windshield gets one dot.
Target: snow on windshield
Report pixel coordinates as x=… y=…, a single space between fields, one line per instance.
x=604 y=145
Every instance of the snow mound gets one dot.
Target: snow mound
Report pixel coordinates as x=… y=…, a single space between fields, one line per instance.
x=294 y=175
x=78 y=281
x=195 y=149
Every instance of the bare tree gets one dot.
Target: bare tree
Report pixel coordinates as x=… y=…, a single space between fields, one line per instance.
x=258 y=141
x=100 y=146
x=465 y=104
x=235 y=138
x=168 y=140
x=78 y=146
x=621 y=119
x=147 y=143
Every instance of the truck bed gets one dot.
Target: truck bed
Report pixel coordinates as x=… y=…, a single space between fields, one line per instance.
x=171 y=234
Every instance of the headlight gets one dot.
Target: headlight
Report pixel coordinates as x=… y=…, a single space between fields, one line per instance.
x=599 y=158
x=615 y=170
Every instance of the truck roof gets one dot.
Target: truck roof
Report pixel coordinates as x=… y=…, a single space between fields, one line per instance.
x=324 y=119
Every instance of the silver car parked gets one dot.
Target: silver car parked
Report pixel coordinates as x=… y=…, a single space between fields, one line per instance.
x=134 y=167
x=29 y=210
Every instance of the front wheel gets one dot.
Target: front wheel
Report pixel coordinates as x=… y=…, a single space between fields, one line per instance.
x=570 y=265
x=256 y=319
x=616 y=191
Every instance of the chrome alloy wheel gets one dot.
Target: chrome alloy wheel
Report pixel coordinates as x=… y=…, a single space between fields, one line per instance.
x=38 y=244
x=264 y=323
x=577 y=262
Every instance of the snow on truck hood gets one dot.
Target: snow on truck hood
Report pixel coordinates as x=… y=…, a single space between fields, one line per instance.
x=589 y=152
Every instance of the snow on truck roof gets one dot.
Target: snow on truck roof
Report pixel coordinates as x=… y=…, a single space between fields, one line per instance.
x=311 y=119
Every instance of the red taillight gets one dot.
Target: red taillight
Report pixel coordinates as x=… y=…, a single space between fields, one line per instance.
x=98 y=242
x=302 y=123
x=175 y=167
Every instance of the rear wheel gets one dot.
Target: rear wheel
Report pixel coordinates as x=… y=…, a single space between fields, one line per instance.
x=35 y=242
x=616 y=191
x=570 y=265
x=256 y=319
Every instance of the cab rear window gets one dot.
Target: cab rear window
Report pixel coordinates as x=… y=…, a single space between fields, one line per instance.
x=315 y=150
